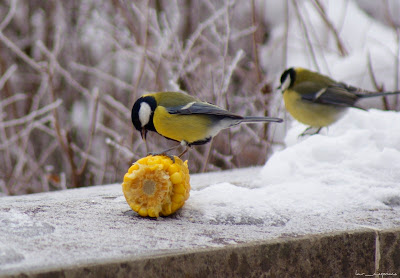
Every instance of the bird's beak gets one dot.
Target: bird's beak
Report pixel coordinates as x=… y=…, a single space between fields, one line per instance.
x=143 y=133
x=279 y=87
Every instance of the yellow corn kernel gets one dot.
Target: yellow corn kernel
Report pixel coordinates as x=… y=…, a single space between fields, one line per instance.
x=178 y=198
x=179 y=189
x=176 y=178
x=142 y=212
x=173 y=169
x=174 y=206
x=132 y=168
x=155 y=185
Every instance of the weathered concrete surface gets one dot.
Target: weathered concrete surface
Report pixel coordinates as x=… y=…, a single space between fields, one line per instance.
x=92 y=232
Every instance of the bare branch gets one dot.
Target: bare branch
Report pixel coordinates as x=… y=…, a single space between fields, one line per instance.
x=31 y=116
x=62 y=71
x=115 y=104
x=255 y=43
x=122 y=149
x=239 y=55
x=7 y=19
x=103 y=75
x=95 y=105
x=10 y=71
x=12 y=99
x=307 y=36
x=320 y=9
x=20 y=54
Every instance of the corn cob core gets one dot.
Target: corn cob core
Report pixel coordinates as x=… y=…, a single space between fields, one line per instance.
x=155 y=185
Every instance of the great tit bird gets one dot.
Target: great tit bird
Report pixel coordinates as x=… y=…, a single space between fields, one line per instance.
x=317 y=100
x=183 y=118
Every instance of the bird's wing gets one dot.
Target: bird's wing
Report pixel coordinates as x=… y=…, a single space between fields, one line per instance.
x=336 y=94
x=201 y=108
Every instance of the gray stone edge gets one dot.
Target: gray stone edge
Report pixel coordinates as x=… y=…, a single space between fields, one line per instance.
x=337 y=254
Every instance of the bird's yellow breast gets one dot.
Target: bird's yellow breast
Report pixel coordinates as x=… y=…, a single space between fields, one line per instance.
x=312 y=114
x=190 y=128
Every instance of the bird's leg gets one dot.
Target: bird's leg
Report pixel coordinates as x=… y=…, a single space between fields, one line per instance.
x=186 y=149
x=164 y=152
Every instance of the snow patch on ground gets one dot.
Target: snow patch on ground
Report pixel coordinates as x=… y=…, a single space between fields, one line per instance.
x=351 y=168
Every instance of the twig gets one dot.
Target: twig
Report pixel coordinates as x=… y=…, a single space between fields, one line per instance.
x=92 y=131
x=15 y=186
x=208 y=152
x=75 y=84
x=122 y=149
x=62 y=136
x=4 y=190
x=143 y=57
x=372 y=75
x=208 y=156
x=397 y=60
x=25 y=132
x=10 y=71
x=115 y=104
x=32 y=115
x=10 y=100
x=239 y=55
x=255 y=45
x=226 y=76
x=375 y=83
x=196 y=34
x=103 y=75
x=305 y=31
x=85 y=155
x=42 y=160
x=243 y=33
x=322 y=13
x=286 y=33
x=21 y=54
x=11 y=11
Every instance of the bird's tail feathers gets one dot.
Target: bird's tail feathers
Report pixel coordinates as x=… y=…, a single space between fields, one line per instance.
x=378 y=94
x=260 y=119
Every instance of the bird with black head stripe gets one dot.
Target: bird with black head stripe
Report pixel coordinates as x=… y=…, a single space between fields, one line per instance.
x=317 y=100
x=184 y=118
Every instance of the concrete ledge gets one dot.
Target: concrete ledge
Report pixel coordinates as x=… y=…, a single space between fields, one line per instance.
x=347 y=254
x=91 y=232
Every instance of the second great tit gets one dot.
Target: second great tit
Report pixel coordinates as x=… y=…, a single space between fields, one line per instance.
x=183 y=118
x=317 y=100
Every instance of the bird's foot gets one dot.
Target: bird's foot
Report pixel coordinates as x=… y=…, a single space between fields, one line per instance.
x=164 y=154
x=310 y=131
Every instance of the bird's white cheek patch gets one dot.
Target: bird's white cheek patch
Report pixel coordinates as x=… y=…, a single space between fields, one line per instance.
x=144 y=113
x=286 y=83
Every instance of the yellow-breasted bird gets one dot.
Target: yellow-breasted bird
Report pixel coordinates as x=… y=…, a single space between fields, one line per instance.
x=184 y=118
x=317 y=100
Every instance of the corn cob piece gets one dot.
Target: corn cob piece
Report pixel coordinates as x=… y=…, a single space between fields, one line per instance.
x=156 y=186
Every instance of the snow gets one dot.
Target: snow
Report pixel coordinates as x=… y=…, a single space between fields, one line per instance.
x=347 y=170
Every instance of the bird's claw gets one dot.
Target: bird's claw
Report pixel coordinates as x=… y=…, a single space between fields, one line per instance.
x=164 y=154
x=310 y=131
